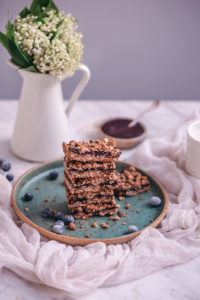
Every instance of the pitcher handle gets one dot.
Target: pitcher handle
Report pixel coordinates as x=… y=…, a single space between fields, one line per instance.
x=80 y=87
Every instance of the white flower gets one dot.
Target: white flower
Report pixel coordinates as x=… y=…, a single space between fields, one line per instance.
x=54 y=44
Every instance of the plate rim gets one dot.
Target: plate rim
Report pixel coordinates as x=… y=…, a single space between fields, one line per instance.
x=74 y=241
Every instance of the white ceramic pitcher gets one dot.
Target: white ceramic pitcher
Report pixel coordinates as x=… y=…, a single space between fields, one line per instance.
x=41 y=122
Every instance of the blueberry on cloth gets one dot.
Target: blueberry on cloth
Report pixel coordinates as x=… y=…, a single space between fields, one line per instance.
x=28 y=196
x=59 y=216
x=68 y=219
x=46 y=213
x=59 y=222
x=132 y=228
x=6 y=166
x=155 y=201
x=10 y=177
x=57 y=228
x=53 y=175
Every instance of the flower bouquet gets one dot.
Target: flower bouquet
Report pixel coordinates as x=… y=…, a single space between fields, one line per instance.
x=44 y=39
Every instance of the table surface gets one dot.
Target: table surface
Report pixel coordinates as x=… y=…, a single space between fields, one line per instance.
x=176 y=282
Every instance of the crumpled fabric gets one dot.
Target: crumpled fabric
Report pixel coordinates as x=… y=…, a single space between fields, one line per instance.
x=80 y=270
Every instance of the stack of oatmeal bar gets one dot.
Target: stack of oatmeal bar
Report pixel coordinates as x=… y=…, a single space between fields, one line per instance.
x=90 y=177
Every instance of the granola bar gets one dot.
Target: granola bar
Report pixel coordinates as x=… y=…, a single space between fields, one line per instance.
x=95 y=180
x=81 y=187
x=131 y=183
x=86 y=214
x=98 y=150
x=89 y=169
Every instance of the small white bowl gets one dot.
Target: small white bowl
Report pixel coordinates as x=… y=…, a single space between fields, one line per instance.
x=124 y=143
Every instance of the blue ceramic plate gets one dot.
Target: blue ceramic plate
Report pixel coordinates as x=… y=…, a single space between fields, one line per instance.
x=36 y=181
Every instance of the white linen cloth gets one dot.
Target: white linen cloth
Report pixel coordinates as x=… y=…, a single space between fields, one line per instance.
x=80 y=270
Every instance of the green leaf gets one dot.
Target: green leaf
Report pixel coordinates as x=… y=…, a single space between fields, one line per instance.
x=24 y=12
x=51 y=5
x=4 y=40
x=9 y=29
x=37 y=7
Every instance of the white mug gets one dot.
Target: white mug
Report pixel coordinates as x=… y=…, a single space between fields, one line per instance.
x=193 y=149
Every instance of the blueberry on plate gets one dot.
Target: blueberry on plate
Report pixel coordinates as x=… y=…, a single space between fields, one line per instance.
x=59 y=216
x=53 y=175
x=155 y=201
x=59 y=222
x=46 y=213
x=132 y=229
x=28 y=196
x=6 y=166
x=10 y=177
x=68 y=219
x=57 y=228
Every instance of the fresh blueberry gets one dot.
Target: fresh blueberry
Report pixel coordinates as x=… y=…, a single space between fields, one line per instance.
x=6 y=166
x=53 y=175
x=57 y=229
x=59 y=222
x=68 y=219
x=155 y=201
x=46 y=213
x=10 y=177
x=28 y=196
x=59 y=216
x=132 y=228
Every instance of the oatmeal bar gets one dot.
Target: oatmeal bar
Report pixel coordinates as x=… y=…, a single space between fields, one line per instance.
x=131 y=183
x=89 y=169
x=86 y=214
x=94 y=180
x=100 y=151
x=86 y=185
x=84 y=198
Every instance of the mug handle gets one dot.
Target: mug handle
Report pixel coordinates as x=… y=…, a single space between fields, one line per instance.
x=80 y=87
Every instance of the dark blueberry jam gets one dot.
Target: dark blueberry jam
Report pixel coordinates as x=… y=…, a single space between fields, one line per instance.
x=118 y=128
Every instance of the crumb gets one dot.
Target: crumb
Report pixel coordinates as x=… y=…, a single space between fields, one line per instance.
x=46 y=200
x=145 y=224
x=72 y=226
x=151 y=220
x=124 y=214
x=37 y=188
x=118 y=205
x=87 y=235
x=127 y=206
x=94 y=225
x=121 y=198
x=134 y=203
x=119 y=213
x=81 y=226
x=79 y=209
x=53 y=211
x=104 y=226
x=111 y=218
x=26 y=209
x=123 y=223
x=140 y=198
x=138 y=211
x=116 y=218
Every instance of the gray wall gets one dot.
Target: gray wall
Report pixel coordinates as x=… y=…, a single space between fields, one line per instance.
x=136 y=49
